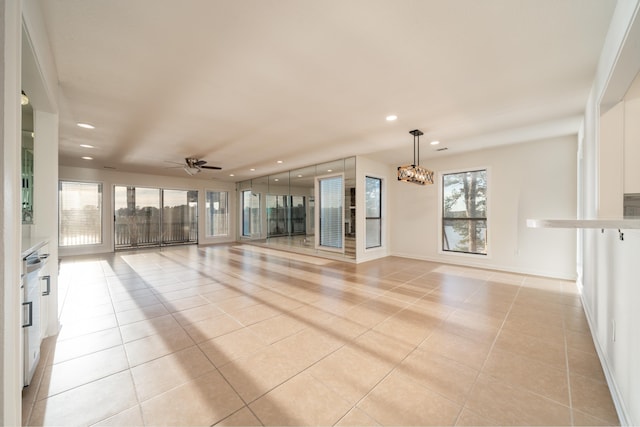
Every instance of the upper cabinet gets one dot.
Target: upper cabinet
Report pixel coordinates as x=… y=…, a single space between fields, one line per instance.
x=632 y=138
x=618 y=155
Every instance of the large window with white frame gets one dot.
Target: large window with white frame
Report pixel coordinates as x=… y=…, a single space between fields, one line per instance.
x=80 y=213
x=464 y=212
x=217 y=213
x=373 y=208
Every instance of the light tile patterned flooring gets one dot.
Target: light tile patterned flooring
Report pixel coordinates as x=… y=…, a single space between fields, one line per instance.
x=238 y=335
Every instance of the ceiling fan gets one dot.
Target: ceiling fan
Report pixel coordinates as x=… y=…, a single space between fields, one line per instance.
x=193 y=165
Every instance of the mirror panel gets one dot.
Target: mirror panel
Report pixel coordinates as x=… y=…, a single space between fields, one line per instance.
x=288 y=207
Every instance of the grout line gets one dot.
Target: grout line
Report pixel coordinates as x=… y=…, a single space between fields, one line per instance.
x=566 y=359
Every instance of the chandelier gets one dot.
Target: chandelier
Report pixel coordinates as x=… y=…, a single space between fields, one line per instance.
x=415 y=173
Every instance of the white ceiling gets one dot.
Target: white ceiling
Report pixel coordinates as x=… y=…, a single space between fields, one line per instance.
x=245 y=83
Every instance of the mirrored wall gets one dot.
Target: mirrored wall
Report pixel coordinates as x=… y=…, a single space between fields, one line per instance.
x=306 y=210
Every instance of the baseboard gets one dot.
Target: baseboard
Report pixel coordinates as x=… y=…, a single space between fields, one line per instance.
x=466 y=262
x=616 y=396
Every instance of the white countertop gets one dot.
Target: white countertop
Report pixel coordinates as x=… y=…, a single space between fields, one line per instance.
x=622 y=223
x=32 y=244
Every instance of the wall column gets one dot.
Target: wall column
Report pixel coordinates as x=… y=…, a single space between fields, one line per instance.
x=10 y=218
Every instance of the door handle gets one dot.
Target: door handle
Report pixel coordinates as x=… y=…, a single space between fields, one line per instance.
x=48 y=279
x=30 y=305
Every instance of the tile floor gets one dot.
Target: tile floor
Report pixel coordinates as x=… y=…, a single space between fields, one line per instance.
x=238 y=335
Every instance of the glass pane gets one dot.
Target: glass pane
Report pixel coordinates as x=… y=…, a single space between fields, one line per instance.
x=330 y=206
x=461 y=235
x=80 y=217
x=217 y=213
x=137 y=212
x=465 y=195
x=372 y=195
x=373 y=233
x=250 y=214
x=277 y=215
x=179 y=216
x=298 y=215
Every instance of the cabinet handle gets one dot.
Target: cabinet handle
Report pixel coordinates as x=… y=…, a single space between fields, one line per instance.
x=30 y=305
x=44 y=256
x=48 y=279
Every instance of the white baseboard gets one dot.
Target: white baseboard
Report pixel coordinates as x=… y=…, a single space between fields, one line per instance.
x=467 y=262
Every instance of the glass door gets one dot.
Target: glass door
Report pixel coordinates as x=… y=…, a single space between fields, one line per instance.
x=154 y=217
x=179 y=217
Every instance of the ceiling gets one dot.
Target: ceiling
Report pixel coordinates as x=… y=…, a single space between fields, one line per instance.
x=244 y=84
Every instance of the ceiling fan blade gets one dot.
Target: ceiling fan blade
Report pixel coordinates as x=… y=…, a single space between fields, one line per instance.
x=199 y=162
x=177 y=165
x=211 y=167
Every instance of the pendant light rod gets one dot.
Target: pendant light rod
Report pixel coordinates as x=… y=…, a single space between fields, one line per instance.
x=416 y=135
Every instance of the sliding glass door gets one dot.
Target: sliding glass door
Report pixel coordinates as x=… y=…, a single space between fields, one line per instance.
x=179 y=217
x=154 y=217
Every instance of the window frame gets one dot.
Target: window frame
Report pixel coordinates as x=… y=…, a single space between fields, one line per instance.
x=442 y=218
x=379 y=217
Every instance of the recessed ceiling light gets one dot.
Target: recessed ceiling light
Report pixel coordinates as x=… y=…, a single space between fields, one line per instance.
x=87 y=158
x=299 y=176
x=86 y=126
x=276 y=180
x=252 y=169
x=279 y=162
x=86 y=146
x=231 y=174
x=392 y=118
x=435 y=142
x=329 y=170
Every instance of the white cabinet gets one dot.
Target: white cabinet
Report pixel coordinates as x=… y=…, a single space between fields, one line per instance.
x=632 y=145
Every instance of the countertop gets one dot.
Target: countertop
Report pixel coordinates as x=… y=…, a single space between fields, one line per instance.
x=32 y=244
x=621 y=223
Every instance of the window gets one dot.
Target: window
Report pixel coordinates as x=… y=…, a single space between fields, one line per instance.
x=373 y=204
x=464 y=212
x=80 y=216
x=217 y=213
x=330 y=211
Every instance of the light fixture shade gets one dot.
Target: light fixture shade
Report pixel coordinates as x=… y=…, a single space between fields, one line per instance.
x=24 y=99
x=415 y=174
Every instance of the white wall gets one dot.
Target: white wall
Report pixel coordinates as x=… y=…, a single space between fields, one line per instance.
x=110 y=178
x=609 y=272
x=529 y=180
x=367 y=167
x=10 y=375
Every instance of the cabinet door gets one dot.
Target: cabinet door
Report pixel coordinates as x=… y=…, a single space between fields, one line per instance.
x=45 y=291
x=632 y=146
